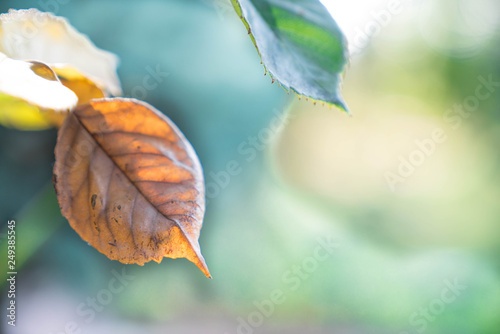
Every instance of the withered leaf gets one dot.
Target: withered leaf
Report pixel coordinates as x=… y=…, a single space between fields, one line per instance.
x=129 y=182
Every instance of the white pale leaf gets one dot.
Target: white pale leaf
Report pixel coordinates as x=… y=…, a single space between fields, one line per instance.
x=35 y=83
x=31 y=34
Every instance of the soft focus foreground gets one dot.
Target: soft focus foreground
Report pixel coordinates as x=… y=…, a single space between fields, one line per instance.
x=384 y=222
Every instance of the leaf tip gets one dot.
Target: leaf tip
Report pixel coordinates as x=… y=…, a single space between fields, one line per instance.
x=202 y=265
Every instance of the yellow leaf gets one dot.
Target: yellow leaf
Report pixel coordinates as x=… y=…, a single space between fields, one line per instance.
x=19 y=114
x=84 y=88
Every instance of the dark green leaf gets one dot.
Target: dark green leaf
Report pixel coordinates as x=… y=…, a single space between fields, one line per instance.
x=300 y=45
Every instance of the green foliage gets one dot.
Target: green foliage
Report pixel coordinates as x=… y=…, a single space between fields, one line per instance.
x=300 y=45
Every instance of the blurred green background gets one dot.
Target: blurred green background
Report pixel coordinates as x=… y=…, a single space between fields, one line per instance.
x=419 y=257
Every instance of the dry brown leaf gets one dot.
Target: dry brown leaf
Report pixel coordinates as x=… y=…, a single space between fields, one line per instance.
x=129 y=182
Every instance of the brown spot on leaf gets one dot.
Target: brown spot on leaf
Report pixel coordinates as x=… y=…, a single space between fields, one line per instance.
x=92 y=201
